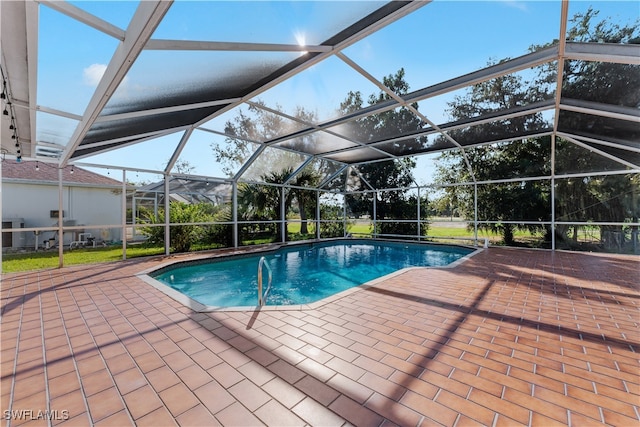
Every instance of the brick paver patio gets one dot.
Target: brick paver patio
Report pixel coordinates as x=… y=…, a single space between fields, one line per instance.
x=510 y=337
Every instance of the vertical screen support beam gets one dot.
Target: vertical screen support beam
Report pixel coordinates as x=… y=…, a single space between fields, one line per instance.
x=344 y=216
x=1 y=233
x=553 y=192
x=475 y=213
x=234 y=213
x=60 y=221
x=317 y=214
x=167 y=215
x=283 y=214
x=375 y=213
x=418 y=212
x=124 y=213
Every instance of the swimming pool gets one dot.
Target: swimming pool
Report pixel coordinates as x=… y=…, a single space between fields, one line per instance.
x=303 y=273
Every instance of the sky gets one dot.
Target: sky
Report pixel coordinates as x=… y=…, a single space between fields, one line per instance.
x=441 y=40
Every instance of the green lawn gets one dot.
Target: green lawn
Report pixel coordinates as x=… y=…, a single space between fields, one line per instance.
x=49 y=259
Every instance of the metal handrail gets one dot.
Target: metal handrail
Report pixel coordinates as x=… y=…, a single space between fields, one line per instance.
x=263 y=298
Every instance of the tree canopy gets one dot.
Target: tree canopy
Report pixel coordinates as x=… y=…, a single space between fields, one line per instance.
x=612 y=198
x=389 y=174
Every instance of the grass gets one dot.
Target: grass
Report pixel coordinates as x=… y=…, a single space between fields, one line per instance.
x=12 y=263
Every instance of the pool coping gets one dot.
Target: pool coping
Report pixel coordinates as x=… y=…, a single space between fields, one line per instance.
x=203 y=308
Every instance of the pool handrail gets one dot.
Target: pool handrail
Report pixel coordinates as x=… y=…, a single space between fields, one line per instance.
x=263 y=298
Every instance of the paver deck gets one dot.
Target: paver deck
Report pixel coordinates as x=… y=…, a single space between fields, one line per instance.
x=510 y=337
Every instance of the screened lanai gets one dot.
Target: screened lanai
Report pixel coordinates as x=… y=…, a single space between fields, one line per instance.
x=152 y=133
x=509 y=116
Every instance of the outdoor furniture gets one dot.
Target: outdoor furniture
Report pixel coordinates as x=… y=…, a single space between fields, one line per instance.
x=84 y=240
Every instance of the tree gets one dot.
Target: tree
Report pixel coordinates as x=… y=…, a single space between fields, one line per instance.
x=306 y=199
x=520 y=201
x=580 y=199
x=386 y=174
x=333 y=227
x=183 y=167
x=612 y=198
x=274 y=166
x=250 y=128
x=263 y=201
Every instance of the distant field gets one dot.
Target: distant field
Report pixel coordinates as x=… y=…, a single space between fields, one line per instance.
x=438 y=227
x=441 y=228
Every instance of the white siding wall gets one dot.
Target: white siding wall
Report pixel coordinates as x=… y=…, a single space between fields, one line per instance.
x=86 y=206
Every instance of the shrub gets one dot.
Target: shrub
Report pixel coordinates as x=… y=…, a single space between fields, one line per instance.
x=183 y=233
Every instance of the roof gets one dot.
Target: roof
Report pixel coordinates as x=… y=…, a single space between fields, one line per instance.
x=46 y=173
x=191 y=190
x=171 y=75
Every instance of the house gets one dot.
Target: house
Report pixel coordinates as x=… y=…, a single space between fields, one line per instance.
x=91 y=203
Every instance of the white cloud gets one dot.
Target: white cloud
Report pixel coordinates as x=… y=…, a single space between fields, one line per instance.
x=516 y=5
x=93 y=73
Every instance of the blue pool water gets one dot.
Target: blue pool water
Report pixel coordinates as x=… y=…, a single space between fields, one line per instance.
x=302 y=274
